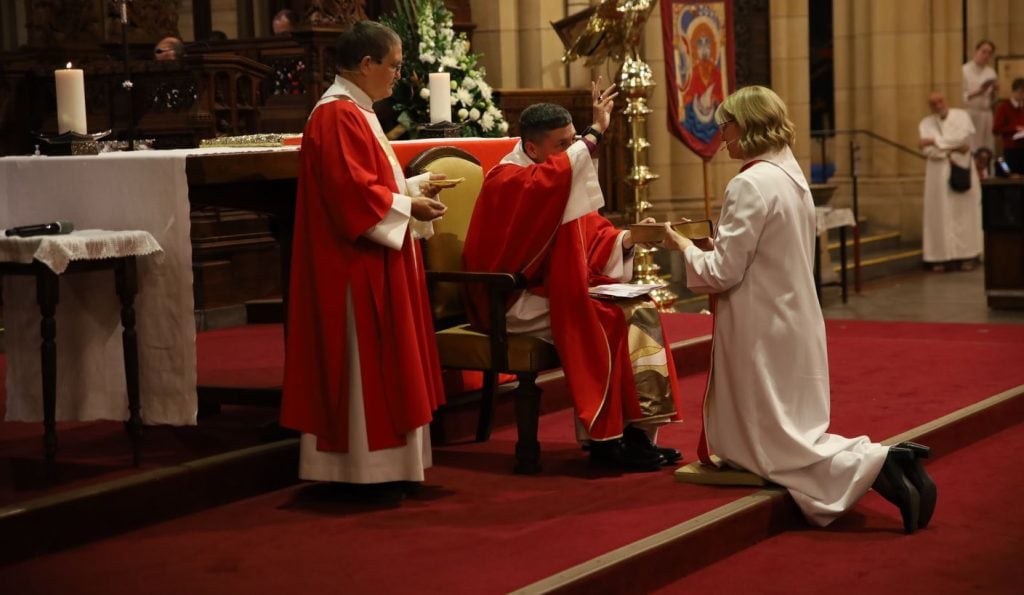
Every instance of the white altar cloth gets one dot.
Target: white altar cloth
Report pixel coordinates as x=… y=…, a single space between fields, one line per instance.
x=142 y=190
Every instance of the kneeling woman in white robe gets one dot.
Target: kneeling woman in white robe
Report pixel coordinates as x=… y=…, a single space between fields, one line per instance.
x=767 y=402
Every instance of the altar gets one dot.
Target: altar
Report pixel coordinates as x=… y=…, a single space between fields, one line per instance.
x=151 y=191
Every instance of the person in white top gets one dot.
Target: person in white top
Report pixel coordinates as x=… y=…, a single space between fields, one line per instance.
x=766 y=406
x=951 y=225
x=980 y=85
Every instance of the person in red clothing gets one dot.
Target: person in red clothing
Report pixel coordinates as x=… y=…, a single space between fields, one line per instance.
x=361 y=369
x=1009 y=122
x=537 y=215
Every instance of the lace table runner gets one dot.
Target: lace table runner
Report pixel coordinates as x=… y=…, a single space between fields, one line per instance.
x=56 y=251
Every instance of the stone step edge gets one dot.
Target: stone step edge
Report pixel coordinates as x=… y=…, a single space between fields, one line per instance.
x=641 y=566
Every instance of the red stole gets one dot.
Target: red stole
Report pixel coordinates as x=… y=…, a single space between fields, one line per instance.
x=346 y=187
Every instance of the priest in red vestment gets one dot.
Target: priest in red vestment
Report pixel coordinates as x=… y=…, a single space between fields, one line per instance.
x=537 y=215
x=361 y=372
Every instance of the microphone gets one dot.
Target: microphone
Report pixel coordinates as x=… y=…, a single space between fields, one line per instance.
x=42 y=229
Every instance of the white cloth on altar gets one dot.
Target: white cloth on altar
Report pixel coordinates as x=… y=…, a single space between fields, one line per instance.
x=360 y=464
x=767 y=405
x=979 y=107
x=951 y=223
x=57 y=251
x=142 y=190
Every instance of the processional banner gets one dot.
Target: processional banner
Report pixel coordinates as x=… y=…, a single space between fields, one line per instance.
x=697 y=37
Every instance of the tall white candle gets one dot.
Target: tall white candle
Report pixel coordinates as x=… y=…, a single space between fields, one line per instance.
x=70 y=100
x=440 y=97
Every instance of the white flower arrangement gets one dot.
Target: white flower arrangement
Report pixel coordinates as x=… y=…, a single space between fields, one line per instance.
x=429 y=44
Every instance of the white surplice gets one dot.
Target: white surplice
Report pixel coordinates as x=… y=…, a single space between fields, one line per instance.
x=360 y=464
x=951 y=226
x=767 y=406
x=979 y=108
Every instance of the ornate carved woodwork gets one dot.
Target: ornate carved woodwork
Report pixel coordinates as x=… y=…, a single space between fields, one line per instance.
x=84 y=23
x=337 y=13
x=752 y=24
x=266 y=84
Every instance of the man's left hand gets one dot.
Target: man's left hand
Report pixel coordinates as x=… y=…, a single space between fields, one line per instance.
x=429 y=190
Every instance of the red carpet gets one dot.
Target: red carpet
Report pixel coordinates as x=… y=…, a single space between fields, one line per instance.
x=974 y=544
x=476 y=528
x=242 y=357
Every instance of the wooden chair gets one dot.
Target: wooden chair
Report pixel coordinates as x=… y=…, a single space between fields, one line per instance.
x=460 y=347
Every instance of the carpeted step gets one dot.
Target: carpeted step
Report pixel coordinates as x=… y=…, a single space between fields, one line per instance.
x=517 y=530
x=972 y=545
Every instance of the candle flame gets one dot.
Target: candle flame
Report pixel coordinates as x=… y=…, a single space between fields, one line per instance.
x=68 y=66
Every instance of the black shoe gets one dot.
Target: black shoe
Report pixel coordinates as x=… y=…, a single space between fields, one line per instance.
x=923 y=483
x=894 y=485
x=920 y=451
x=639 y=438
x=618 y=454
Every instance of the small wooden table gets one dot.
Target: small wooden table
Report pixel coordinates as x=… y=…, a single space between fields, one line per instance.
x=122 y=262
x=831 y=218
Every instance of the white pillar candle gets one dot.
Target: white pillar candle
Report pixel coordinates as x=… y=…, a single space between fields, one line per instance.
x=70 y=100
x=440 y=97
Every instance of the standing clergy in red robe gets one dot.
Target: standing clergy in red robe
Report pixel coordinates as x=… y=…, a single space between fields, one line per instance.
x=537 y=215
x=361 y=373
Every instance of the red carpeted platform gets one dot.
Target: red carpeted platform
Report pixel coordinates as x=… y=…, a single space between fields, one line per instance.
x=974 y=545
x=241 y=357
x=475 y=528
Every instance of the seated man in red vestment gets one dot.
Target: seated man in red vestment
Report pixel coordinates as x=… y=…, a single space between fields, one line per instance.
x=537 y=215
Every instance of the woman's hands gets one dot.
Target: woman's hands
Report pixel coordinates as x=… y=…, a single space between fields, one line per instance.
x=674 y=240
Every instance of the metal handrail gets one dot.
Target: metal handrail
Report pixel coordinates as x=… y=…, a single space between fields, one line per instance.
x=821 y=136
x=874 y=135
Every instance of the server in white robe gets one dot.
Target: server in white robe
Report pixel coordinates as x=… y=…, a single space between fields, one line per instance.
x=979 y=87
x=766 y=407
x=951 y=225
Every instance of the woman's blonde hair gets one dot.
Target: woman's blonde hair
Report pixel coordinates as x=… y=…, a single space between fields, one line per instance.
x=762 y=116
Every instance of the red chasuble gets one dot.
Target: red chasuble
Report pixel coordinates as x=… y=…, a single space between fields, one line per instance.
x=345 y=188
x=517 y=227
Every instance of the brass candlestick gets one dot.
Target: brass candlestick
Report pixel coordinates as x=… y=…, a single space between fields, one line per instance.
x=614 y=28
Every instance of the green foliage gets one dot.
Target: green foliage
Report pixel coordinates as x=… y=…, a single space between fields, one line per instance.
x=429 y=44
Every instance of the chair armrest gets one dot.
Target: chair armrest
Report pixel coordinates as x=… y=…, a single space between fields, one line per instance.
x=501 y=281
x=499 y=285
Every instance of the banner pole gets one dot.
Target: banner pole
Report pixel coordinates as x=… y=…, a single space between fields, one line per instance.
x=707 y=190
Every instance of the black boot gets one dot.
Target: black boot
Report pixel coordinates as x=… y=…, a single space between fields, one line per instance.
x=618 y=454
x=636 y=437
x=920 y=451
x=915 y=472
x=893 y=484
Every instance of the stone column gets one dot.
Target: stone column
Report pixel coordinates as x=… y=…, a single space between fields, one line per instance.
x=888 y=58
x=496 y=37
